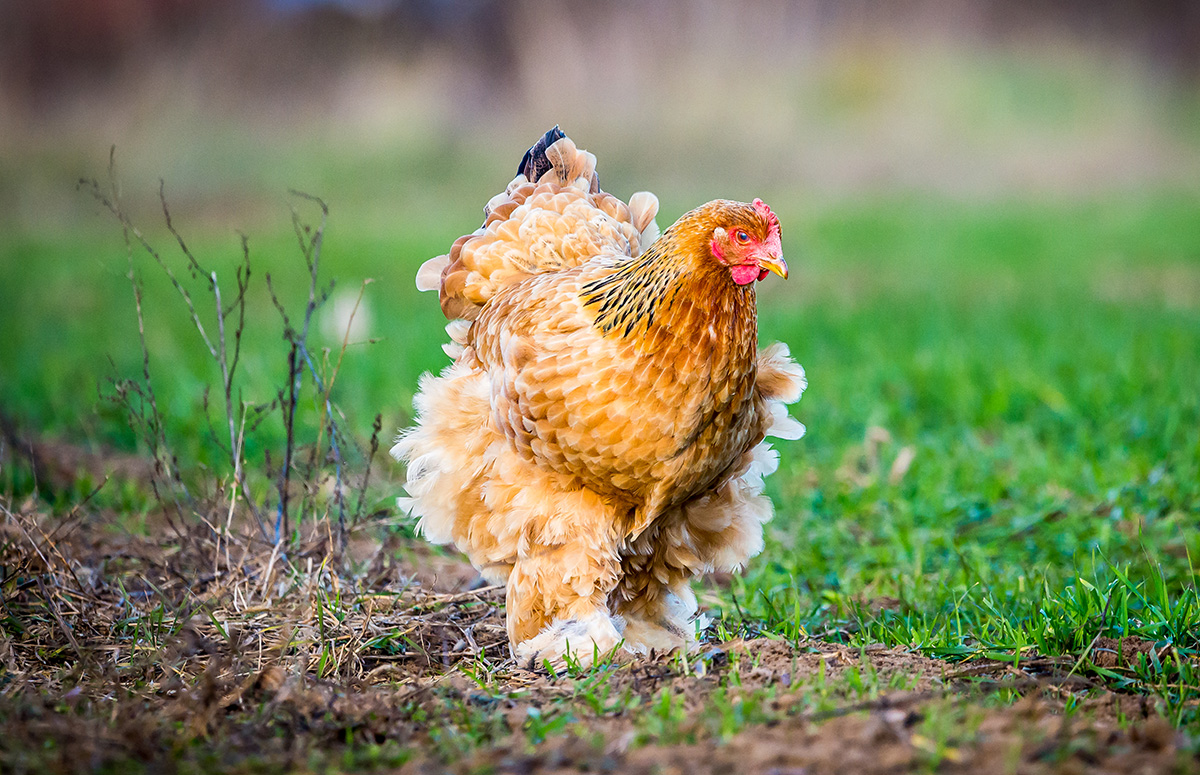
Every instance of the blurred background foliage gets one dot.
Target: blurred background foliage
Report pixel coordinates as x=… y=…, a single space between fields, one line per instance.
x=396 y=108
x=992 y=209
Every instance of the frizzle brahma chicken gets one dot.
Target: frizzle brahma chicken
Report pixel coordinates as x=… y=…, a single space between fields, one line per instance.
x=598 y=439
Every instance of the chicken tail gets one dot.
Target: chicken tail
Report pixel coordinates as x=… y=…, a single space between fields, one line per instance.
x=555 y=153
x=535 y=164
x=551 y=217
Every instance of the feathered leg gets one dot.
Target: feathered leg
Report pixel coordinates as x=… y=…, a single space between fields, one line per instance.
x=557 y=599
x=657 y=605
x=719 y=530
x=552 y=541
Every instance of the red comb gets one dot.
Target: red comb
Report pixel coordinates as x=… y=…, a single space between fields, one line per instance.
x=765 y=211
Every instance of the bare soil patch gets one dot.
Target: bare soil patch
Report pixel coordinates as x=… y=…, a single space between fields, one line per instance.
x=208 y=651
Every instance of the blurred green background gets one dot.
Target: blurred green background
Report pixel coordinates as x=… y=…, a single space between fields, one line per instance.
x=991 y=211
x=931 y=161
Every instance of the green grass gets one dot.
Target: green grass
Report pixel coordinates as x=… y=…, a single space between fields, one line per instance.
x=1039 y=360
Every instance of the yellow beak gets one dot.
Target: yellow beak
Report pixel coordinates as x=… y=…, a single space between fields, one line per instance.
x=774 y=264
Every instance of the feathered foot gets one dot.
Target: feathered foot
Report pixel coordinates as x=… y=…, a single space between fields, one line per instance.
x=581 y=641
x=557 y=601
x=662 y=619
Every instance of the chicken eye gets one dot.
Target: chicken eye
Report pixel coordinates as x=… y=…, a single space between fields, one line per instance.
x=742 y=236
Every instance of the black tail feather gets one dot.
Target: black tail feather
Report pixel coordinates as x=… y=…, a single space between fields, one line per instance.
x=535 y=164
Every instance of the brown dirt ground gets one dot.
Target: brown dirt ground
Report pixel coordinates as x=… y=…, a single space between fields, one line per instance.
x=207 y=651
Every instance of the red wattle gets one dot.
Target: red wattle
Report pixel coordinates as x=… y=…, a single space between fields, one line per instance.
x=744 y=274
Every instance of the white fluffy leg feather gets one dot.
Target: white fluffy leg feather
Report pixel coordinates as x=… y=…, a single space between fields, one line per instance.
x=586 y=639
x=676 y=630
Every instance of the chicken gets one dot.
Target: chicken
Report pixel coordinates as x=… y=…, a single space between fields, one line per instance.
x=599 y=438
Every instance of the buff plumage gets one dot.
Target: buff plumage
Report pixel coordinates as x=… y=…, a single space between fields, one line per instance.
x=598 y=440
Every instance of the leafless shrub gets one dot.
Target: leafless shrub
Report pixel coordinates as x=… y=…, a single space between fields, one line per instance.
x=312 y=459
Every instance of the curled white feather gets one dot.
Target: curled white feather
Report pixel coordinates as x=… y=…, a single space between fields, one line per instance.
x=783 y=425
x=429 y=276
x=457 y=330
